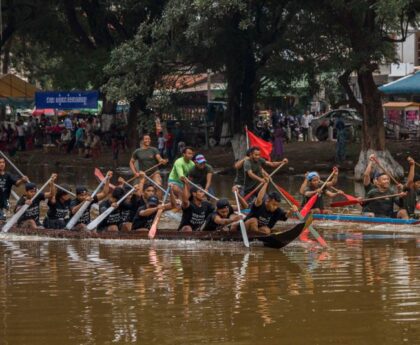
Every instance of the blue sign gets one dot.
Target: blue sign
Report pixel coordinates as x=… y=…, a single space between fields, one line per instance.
x=67 y=100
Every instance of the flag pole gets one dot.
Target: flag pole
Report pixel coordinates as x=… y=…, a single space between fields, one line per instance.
x=246 y=136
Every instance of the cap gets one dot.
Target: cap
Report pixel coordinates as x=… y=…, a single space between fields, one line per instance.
x=118 y=193
x=153 y=201
x=30 y=186
x=222 y=203
x=80 y=190
x=312 y=175
x=416 y=177
x=275 y=196
x=193 y=189
x=378 y=175
x=200 y=159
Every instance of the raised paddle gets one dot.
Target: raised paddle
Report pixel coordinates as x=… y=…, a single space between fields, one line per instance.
x=94 y=223
x=251 y=193
x=361 y=201
x=203 y=190
x=314 y=233
x=15 y=218
x=286 y=194
x=153 y=228
x=347 y=196
x=384 y=170
x=241 y=222
x=72 y=222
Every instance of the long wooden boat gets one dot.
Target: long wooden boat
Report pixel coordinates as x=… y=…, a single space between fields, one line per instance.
x=274 y=240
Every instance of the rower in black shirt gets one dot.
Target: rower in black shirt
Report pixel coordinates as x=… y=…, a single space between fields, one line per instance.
x=59 y=210
x=195 y=209
x=222 y=217
x=265 y=214
x=113 y=222
x=7 y=181
x=412 y=187
x=30 y=218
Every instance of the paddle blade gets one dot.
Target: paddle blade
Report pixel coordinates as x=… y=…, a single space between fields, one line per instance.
x=98 y=174
x=350 y=197
x=307 y=208
x=244 y=234
x=344 y=203
x=153 y=228
x=289 y=196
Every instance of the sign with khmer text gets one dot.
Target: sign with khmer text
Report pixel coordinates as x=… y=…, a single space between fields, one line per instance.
x=67 y=100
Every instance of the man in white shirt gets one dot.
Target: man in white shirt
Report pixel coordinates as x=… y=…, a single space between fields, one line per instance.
x=306 y=123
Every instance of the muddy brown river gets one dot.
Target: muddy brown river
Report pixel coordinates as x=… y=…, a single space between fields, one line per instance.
x=364 y=289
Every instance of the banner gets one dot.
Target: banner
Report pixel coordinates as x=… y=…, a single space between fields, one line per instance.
x=265 y=146
x=67 y=100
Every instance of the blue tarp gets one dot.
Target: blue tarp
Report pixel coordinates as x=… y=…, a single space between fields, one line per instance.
x=409 y=85
x=67 y=100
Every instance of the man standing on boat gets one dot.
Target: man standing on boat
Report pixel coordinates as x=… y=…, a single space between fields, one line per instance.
x=147 y=157
x=7 y=181
x=180 y=171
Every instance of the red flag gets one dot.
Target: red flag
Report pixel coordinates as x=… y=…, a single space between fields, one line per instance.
x=264 y=146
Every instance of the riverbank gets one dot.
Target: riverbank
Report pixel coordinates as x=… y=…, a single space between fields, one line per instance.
x=303 y=156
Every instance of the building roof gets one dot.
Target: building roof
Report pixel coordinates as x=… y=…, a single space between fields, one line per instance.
x=12 y=86
x=408 y=85
x=401 y=104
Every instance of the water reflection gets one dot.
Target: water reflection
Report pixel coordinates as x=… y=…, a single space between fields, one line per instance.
x=90 y=292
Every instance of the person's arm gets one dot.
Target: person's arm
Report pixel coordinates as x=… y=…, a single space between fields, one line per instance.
x=133 y=166
x=240 y=163
x=260 y=197
x=242 y=201
x=334 y=179
x=411 y=172
x=368 y=172
x=52 y=190
x=102 y=194
x=148 y=211
x=172 y=199
x=225 y=221
x=160 y=160
x=21 y=181
x=303 y=186
x=185 y=196
x=208 y=180
x=179 y=170
x=276 y=164
x=333 y=194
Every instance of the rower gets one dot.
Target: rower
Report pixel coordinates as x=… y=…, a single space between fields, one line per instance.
x=311 y=186
x=253 y=169
x=145 y=215
x=202 y=173
x=195 y=209
x=147 y=157
x=30 y=219
x=412 y=188
x=384 y=207
x=113 y=222
x=180 y=170
x=265 y=214
x=222 y=217
x=58 y=210
x=82 y=196
x=7 y=181
x=368 y=175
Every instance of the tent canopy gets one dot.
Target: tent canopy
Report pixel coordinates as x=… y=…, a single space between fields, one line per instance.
x=408 y=85
x=12 y=86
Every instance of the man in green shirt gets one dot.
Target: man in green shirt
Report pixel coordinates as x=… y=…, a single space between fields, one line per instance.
x=202 y=173
x=180 y=170
x=147 y=157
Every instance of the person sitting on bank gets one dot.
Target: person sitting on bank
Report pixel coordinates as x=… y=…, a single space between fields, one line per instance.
x=30 y=218
x=202 y=173
x=384 y=208
x=195 y=209
x=265 y=214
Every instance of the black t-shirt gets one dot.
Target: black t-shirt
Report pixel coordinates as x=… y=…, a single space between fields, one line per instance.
x=211 y=225
x=143 y=222
x=382 y=207
x=59 y=210
x=7 y=181
x=265 y=217
x=33 y=210
x=113 y=219
x=195 y=216
x=410 y=201
x=319 y=201
x=85 y=218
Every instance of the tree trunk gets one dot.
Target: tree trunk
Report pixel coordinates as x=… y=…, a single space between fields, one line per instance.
x=136 y=107
x=373 y=130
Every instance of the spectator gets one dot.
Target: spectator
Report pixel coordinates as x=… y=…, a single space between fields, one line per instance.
x=341 y=140
x=80 y=139
x=68 y=124
x=169 y=138
x=278 y=142
x=161 y=144
x=306 y=123
x=179 y=137
x=64 y=140
x=21 y=135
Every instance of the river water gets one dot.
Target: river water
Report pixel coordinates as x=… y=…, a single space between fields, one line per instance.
x=363 y=289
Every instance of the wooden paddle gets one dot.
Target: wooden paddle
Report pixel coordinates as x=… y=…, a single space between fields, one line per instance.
x=15 y=218
x=311 y=202
x=241 y=222
x=314 y=233
x=384 y=170
x=357 y=201
x=251 y=193
x=148 y=170
x=286 y=194
x=347 y=196
x=153 y=228
x=203 y=190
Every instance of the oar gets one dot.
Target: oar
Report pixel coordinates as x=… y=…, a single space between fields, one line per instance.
x=311 y=202
x=241 y=222
x=251 y=193
x=72 y=222
x=15 y=218
x=314 y=233
x=203 y=190
x=384 y=170
x=355 y=202
x=286 y=194
x=148 y=170
x=22 y=174
x=347 y=196
x=153 y=228
x=93 y=224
